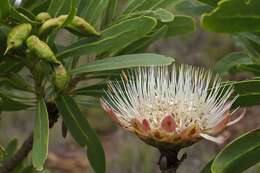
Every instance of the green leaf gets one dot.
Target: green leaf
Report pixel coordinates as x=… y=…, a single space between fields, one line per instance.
x=72 y=13
x=238 y=155
x=94 y=10
x=20 y=17
x=81 y=131
x=141 y=5
x=254 y=36
x=10 y=65
x=232 y=16
x=245 y=100
x=115 y=37
x=248 y=92
x=92 y=90
x=252 y=68
x=40 y=6
x=4 y=8
x=224 y=65
x=26 y=12
x=210 y=2
x=28 y=3
x=14 y=80
x=110 y=13
x=193 y=8
x=40 y=136
x=180 y=25
x=124 y=61
x=83 y=5
x=164 y=15
x=142 y=44
x=9 y=104
x=55 y=7
x=250 y=47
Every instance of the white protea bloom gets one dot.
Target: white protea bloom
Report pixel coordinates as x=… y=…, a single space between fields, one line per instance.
x=170 y=105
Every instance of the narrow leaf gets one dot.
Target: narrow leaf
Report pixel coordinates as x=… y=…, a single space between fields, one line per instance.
x=55 y=7
x=140 y=5
x=124 y=61
x=20 y=17
x=94 y=10
x=238 y=155
x=72 y=12
x=9 y=104
x=164 y=15
x=232 y=16
x=142 y=44
x=115 y=37
x=224 y=65
x=110 y=13
x=4 y=8
x=40 y=136
x=180 y=25
x=248 y=92
x=81 y=131
x=193 y=8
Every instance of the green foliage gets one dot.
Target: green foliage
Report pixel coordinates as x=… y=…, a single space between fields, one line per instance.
x=232 y=16
x=224 y=65
x=41 y=136
x=112 y=38
x=82 y=131
x=240 y=18
x=238 y=155
x=195 y=8
x=5 y=8
x=121 y=62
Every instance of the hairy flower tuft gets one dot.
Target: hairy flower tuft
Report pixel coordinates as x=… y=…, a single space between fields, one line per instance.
x=170 y=105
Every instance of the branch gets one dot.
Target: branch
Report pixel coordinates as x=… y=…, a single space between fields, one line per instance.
x=9 y=165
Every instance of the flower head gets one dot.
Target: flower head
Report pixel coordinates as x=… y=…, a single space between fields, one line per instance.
x=170 y=105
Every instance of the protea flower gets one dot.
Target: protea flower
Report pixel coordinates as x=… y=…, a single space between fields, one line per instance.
x=170 y=107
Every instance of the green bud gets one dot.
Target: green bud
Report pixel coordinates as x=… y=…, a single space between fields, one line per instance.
x=18 y=35
x=60 y=77
x=81 y=26
x=50 y=25
x=42 y=17
x=41 y=49
x=77 y=25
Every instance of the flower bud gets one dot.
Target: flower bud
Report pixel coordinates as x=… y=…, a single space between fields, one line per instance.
x=42 y=17
x=81 y=26
x=78 y=26
x=50 y=25
x=41 y=49
x=17 y=35
x=60 y=77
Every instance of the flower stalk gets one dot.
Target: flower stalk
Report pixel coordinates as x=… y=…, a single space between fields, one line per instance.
x=169 y=162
